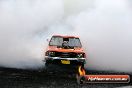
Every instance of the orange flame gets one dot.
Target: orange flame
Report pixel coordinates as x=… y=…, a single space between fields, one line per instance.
x=81 y=71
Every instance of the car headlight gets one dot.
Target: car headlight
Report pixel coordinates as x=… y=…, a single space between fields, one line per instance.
x=80 y=55
x=51 y=53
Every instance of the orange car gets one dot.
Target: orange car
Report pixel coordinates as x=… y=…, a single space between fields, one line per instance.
x=64 y=53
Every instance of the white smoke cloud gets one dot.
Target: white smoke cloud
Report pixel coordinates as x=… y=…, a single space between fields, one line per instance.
x=106 y=33
x=20 y=24
x=104 y=27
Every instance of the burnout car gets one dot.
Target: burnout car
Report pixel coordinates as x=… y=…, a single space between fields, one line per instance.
x=64 y=53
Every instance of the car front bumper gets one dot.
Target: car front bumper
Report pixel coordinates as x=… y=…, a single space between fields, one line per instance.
x=55 y=63
x=58 y=60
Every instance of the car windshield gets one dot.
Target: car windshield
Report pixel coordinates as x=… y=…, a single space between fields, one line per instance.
x=58 y=41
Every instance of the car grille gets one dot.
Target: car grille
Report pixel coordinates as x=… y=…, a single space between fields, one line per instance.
x=66 y=55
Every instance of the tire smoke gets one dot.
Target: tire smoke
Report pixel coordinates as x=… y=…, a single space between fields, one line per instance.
x=104 y=27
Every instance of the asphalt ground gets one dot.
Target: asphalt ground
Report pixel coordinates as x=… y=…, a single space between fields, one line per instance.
x=19 y=78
